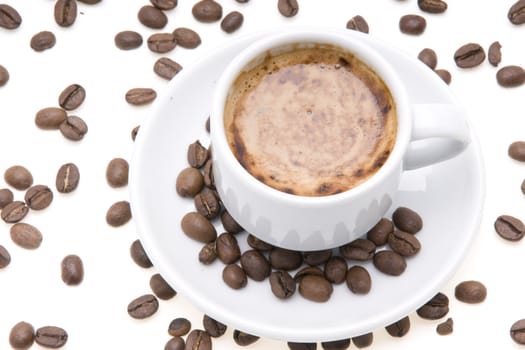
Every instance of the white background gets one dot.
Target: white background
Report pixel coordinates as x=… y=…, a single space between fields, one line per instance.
x=94 y=313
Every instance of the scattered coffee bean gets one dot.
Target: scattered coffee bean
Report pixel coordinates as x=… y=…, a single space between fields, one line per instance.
x=285 y=259
x=412 y=24
x=301 y=346
x=140 y=96
x=161 y=42
x=118 y=214
x=4 y=75
x=5 y=257
x=42 y=41
x=227 y=248
x=50 y=118
x=358 y=23
x=359 y=249
x=138 y=254
x=309 y=270
x=117 y=172
x=161 y=288
x=18 y=177
x=134 y=132
x=67 y=179
x=213 y=327
x=207 y=11
x=232 y=21
x=209 y=181
x=404 y=243
x=495 y=53
x=9 y=17
x=166 y=68
x=175 y=343
x=517 y=332
x=517 y=151
x=444 y=75
x=38 y=197
x=509 y=228
x=198 y=340
x=25 y=235
x=445 y=328
x=197 y=227
x=72 y=97
x=390 y=262
x=469 y=55
x=74 y=128
x=400 y=328
x=22 y=336
x=234 y=276
x=335 y=269
x=208 y=253
x=432 y=6
x=164 y=4
x=358 y=280
x=363 y=341
x=282 y=284
x=244 y=339
x=407 y=220
x=317 y=257
x=65 y=12
x=428 y=57
x=189 y=182
x=6 y=197
x=435 y=308
x=51 y=337
x=471 y=292
x=255 y=265
x=187 y=38
x=72 y=270
x=229 y=223
x=288 y=8
x=315 y=288
x=143 y=306
x=511 y=76
x=197 y=155
x=14 y=212
x=152 y=17
x=179 y=327
x=380 y=232
x=207 y=203
x=128 y=40
x=516 y=14
x=258 y=244
x=341 y=344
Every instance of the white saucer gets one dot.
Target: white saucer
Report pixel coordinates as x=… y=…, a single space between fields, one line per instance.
x=449 y=196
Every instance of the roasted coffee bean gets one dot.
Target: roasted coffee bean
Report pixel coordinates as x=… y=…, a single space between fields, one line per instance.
x=118 y=214
x=435 y=308
x=152 y=17
x=400 y=328
x=14 y=212
x=134 y=132
x=208 y=253
x=309 y=270
x=258 y=244
x=6 y=197
x=42 y=41
x=117 y=172
x=74 y=128
x=128 y=40
x=255 y=265
x=358 y=280
x=288 y=8
x=67 y=179
x=282 y=284
x=517 y=151
x=229 y=223
x=198 y=340
x=517 y=332
x=9 y=17
x=164 y=4
x=444 y=75
x=469 y=55
x=428 y=57
x=432 y=6
x=140 y=96
x=510 y=76
x=161 y=42
x=317 y=257
x=359 y=249
x=412 y=24
x=207 y=203
x=166 y=68
x=335 y=269
x=404 y=243
x=285 y=259
x=209 y=181
x=197 y=155
x=495 y=53
x=407 y=220
x=175 y=343
x=234 y=276
x=445 y=328
x=207 y=11
x=380 y=232
x=161 y=288
x=471 y=292
x=187 y=38
x=232 y=21
x=197 y=227
x=189 y=182
x=143 y=306
x=315 y=288
x=301 y=346
x=65 y=12
x=4 y=75
x=138 y=254
x=227 y=248
x=244 y=339
x=213 y=327
x=22 y=336
x=51 y=337
x=38 y=197
x=25 y=235
x=50 y=118
x=72 y=97
x=364 y=340
x=72 y=270
x=18 y=177
x=341 y=344
x=516 y=12
x=509 y=228
x=358 y=23
x=5 y=257
x=179 y=327
x=390 y=262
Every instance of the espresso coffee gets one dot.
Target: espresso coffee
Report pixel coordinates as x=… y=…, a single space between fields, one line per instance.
x=312 y=121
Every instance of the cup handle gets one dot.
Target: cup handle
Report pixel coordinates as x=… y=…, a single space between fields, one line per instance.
x=439 y=132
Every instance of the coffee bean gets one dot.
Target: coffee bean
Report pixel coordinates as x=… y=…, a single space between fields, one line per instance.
x=509 y=228
x=9 y=17
x=197 y=227
x=390 y=262
x=209 y=181
x=444 y=75
x=315 y=288
x=51 y=337
x=317 y=257
x=128 y=40
x=380 y=232
x=208 y=253
x=175 y=343
x=207 y=203
x=282 y=284
x=189 y=182
x=445 y=328
x=5 y=257
x=412 y=24
x=117 y=172
x=152 y=17
x=227 y=248
x=166 y=68
x=358 y=280
x=341 y=344
x=471 y=292
x=118 y=214
x=255 y=265
x=335 y=269
x=50 y=118
x=229 y=223
x=232 y=21
x=4 y=75
x=516 y=12
x=258 y=244
x=143 y=306
x=18 y=177
x=309 y=270
x=134 y=132
x=407 y=220
x=38 y=197
x=517 y=151
x=301 y=346
x=469 y=55
x=14 y=212
x=495 y=53
x=404 y=243
x=161 y=42
x=432 y=6
x=400 y=328
x=517 y=332
x=140 y=96
x=197 y=155
x=288 y=8
x=25 y=235
x=244 y=339
x=510 y=76
x=358 y=23
x=161 y=288
x=428 y=57
x=285 y=259
x=198 y=340
x=359 y=249
x=234 y=276
x=6 y=197
x=363 y=341
x=65 y=12
x=67 y=179
x=22 y=336
x=72 y=97
x=435 y=308
x=179 y=327
x=187 y=38
x=207 y=11
x=42 y=41
x=213 y=327
x=74 y=128
x=164 y=4
x=72 y=270
x=138 y=254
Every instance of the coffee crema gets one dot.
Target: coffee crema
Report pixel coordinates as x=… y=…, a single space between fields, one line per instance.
x=312 y=121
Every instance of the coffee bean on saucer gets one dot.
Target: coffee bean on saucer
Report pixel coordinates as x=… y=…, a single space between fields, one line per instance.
x=412 y=24
x=258 y=244
x=495 y=53
x=161 y=288
x=209 y=181
x=50 y=118
x=229 y=223
x=187 y=38
x=469 y=55
x=166 y=68
x=198 y=340
x=197 y=154
x=207 y=203
x=399 y=328
x=51 y=337
x=232 y=21
x=189 y=182
x=234 y=276
x=432 y=6
x=315 y=288
x=175 y=343
x=118 y=214
x=509 y=228
x=516 y=14
x=227 y=248
x=4 y=75
x=134 y=132
x=404 y=243
x=244 y=339
x=213 y=327
x=67 y=179
x=301 y=346
x=65 y=12
x=42 y=41
x=285 y=259
x=164 y=4
x=511 y=76
x=207 y=11
x=73 y=128
x=288 y=8
x=407 y=220
x=390 y=262
x=360 y=249
x=161 y=42
x=358 y=23
x=341 y=344
x=152 y=17
x=444 y=75
x=72 y=97
x=138 y=254
x=25 y=235
x=446 y=327
x=140 y=96
x=72 y=270
x=128 y=40
x=282 y=284
x=380 y=232
x=255 y=265
x=428 y=57
x=471 y=292
x=14 y=212
x=317 y=257
x=364 y=340
x=435 y=308
x=358 y=280
x=22 y=335
x=117 y=172
x=143 y=306
x=197 y=227
x=6 y=197
x=335 y=269
x=9 y=17
x=18 y=177
x=179 y=326
x=208 y=253
x=38 y=197
x=5 y=257
x=517 y=332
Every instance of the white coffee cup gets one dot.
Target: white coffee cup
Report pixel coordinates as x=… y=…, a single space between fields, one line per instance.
x=426 y=134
